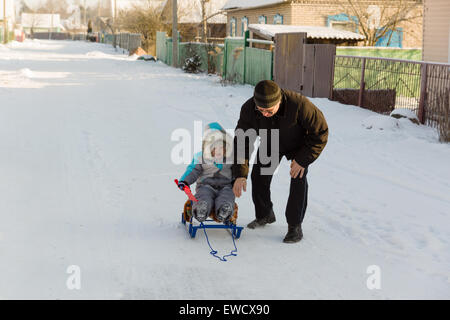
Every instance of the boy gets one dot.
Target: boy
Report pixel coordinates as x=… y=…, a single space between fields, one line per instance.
x=212 y=175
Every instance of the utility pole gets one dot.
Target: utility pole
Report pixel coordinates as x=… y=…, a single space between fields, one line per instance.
x=115 y=16
x=51 y=27
x=174 y=33
x=5 y=24
x=85 y=22
x=204 y=21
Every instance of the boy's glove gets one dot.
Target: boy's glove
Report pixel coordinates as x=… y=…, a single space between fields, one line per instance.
x=182 y=185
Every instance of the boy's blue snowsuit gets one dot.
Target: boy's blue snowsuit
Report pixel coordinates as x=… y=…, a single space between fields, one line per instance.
x=214 y=180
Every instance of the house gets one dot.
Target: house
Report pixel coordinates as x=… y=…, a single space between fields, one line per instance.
x=41 y=22
x=326 y=13
x=190 y=21
x=436 y=31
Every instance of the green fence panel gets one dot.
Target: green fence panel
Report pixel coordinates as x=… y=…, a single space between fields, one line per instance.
x=395 y=53
x=207 y=53
x=258 y=65
x=109 y=38
x=168 y=59
x=169 y=49
x=219 y=64
x=161 y=45
x=182 y=53
x=202 y=50
x=235 y=60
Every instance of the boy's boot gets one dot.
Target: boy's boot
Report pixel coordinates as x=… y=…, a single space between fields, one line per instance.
x=224 y=212
x=201 y=211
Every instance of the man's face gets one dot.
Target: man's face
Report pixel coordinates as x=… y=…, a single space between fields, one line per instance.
x=269 y=112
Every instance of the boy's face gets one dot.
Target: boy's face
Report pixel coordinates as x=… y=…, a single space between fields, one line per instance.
x=217 y=153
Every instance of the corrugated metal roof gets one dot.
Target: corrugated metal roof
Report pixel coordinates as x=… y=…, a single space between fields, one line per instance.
x=241 y=4
x=313 y=32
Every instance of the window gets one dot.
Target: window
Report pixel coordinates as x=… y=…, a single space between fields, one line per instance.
x=278 y=19
x=233 y=27
x=343 y=21
x=244 y=25
x=392 y=38
x=343 y=25
x=262 y=20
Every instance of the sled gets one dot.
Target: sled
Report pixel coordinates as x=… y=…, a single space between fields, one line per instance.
x=230 y=225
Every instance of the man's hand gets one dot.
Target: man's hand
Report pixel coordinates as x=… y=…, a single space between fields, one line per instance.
x=239 y=184
x=296 y=170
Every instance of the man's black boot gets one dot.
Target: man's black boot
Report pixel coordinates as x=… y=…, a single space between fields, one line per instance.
x=295 y=234
x=263 y=221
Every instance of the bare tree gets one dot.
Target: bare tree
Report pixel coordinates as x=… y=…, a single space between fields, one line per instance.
x=144 y=19
x=55 y=6
x=376 y=19
x=147 y=18
x=35 y=21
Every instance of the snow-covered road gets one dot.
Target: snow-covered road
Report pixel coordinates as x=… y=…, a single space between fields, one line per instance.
x=87 y=180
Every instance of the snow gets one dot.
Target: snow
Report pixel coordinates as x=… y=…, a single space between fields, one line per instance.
x=380 y=122
x=404 y=113
x=313 y=32
x=87 y=180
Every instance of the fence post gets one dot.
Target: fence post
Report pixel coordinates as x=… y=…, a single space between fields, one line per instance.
x=423 y=92
x=246 y=36
x=225 y=59
x=332 y=78
x=362 y=83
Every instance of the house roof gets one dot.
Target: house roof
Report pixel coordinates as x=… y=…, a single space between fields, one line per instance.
x=190 y=11
x=270 y=30
x=40 y=20
x=244 y=4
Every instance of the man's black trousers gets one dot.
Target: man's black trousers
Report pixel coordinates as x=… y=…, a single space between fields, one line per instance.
x=298 y=194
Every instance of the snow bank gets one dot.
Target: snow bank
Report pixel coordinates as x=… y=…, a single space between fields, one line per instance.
x=380 y=122
x=405 y=113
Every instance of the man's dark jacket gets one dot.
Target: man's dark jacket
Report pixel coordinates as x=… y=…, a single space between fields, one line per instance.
x=303 y=130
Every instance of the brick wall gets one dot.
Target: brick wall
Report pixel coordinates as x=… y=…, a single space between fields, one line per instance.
x=315 y=13
x=254 y=14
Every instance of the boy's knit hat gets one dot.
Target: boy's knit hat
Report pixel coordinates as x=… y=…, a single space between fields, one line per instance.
x=213 y=135
x=267 y=94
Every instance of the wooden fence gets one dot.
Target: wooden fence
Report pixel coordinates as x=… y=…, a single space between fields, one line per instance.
x=234 y=60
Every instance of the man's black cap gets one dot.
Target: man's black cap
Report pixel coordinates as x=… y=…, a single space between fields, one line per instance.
x=267 y=94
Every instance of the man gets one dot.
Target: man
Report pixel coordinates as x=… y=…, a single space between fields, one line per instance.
x=303 y=134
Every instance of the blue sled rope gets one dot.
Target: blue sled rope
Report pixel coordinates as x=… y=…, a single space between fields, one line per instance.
x=214 y=252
